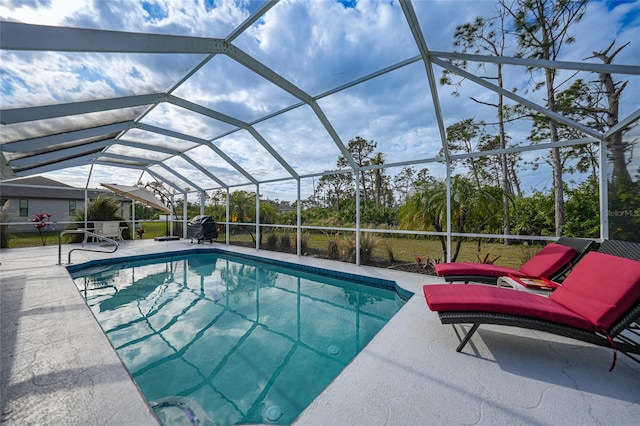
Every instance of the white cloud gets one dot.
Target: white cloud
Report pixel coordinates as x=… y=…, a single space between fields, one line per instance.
x=46 y=12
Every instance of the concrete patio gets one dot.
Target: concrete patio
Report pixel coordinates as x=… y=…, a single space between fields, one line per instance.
x=59 y=368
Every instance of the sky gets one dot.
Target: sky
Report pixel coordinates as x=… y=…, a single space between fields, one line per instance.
x=316 y=45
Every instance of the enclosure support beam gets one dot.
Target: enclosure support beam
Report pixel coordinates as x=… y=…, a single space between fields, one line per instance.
x=299 y=221
x=258 y=216
x=357 y=181
x=414 y=24
x=604 y=191
x=227 y=219
x=18 y=36
x=20 y=115
x=184 y=215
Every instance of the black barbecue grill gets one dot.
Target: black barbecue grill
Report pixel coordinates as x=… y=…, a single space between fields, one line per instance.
x=202 y=228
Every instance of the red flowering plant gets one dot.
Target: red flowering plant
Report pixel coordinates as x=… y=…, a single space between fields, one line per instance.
x=42 y=221
x=140 y=231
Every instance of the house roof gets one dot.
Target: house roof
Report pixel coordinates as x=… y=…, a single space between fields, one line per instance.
x=40 y=187
x=37 y=181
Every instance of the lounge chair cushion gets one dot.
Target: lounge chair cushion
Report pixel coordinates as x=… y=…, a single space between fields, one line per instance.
x=470 y=269
x=482 y=298
x=601 y=288
x=544 y=264
x=548 y=260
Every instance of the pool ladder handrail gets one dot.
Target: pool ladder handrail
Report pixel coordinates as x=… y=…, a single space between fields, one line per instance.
x=87 y=233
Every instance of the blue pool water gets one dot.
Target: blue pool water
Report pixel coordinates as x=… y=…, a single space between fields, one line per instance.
x=212 y=338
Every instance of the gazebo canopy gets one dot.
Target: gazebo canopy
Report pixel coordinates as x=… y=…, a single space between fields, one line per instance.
x=225 y=94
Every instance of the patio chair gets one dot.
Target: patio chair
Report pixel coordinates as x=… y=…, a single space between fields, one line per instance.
x=597 y=302
x=112 y=230
x=552 y=262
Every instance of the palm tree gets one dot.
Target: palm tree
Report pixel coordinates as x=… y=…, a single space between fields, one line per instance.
x=242 y=209
x=424 y=212
x=471 y=210
x=242 y=206
x=102 y=208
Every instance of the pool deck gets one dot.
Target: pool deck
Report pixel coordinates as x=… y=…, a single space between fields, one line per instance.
x=59 y=368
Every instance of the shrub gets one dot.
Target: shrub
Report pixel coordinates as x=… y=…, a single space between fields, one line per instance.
x=304 y=243
x=390 y=256
x=349 y=252
x=368 y=242
x=333 y=248
x=4 y=232
x=272 y=242
x=285 y=243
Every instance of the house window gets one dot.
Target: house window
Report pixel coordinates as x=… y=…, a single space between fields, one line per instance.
x=24 y=208
x=72 y=208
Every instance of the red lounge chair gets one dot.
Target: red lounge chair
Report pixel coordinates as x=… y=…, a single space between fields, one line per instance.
x=552 y=262
x=598 y=300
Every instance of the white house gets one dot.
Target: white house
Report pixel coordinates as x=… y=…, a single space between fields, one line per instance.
x=22 y=199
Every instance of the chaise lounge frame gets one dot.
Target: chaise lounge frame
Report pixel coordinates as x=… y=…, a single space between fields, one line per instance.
x=623 y=334
x=623 y=343
x=580 y=245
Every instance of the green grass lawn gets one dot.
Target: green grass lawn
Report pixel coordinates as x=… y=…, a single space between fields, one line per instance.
x=403 y=249
x=34 y=239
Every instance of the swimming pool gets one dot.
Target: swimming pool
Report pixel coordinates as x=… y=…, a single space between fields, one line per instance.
x=214 y=338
